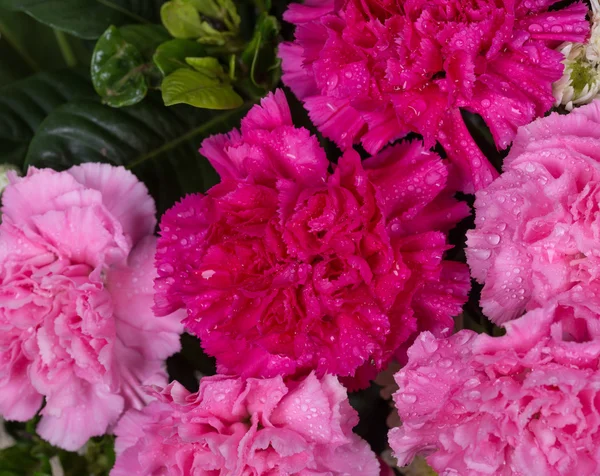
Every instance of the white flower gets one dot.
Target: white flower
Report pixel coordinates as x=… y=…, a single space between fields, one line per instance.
x=580 y=83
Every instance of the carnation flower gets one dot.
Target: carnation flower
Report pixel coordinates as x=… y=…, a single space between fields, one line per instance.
x=234 y=426
x=284 y=267
x=76 y=321
x=370 y=71
x=537 y=232
x=580 y=82
x=524 y=404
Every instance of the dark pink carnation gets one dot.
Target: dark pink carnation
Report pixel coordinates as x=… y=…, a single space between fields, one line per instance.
x=370 y=71
x=285 y=268
x=76 y=323
x=526 y=404
x=537 y=234
x=234 y=426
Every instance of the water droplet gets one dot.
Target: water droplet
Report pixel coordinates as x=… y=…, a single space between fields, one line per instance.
x=481 y=253
x=445 y=363
x=493 y=239
x=166 y=268
x=208 y=274
x=535 y=28
x=409 y=397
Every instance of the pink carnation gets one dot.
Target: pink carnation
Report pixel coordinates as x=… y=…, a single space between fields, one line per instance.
x=285 y=268
x=537 y=233
x=76 y=321
x=371 y=71
x=234 y=426
x=525 y=404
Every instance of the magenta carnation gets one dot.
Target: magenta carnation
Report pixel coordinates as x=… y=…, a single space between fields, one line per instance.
x=234 y=426
x=76 y=321
x=371 y=71
x=526 y=404
x=537 y=232
x=285 y=268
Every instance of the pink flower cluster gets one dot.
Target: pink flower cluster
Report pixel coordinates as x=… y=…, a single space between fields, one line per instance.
x=76 y=321
x=525 y=404
x=537 y=233
x=236 y=426
x=285 y=268
x=371 y=71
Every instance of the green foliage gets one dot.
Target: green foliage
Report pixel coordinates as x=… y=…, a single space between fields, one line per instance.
x=86 y=18
x=122 y=67
x=26 y=103
x=200 y=19
x=118 y=70
x=158 y=144
x=171 y=55
x=209 y=29
x=31 y=455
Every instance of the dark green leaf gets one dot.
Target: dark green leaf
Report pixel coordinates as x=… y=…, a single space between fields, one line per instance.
x=146 y=38
x=170 y=56
x=100 y=455
x=158 y=144
x=185 y=86
x=118 y=70
x=35 y=43
x=259 y=55
x=17 y=460
x=12 y=67
x=86 y=18
x=25 y=104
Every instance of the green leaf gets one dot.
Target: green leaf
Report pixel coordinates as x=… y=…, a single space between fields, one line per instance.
x=118 y=70
x=221 y=10
x=207 y=65
x=171 y=55
x=209 y=21
x=25 y=104
x=259 y=54
x=146 y=38
x=159 y=144
x=185 y=86
x=86 y=18
x=181 y=19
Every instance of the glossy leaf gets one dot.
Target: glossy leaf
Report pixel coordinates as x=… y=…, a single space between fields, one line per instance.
x=158 y=144
x=86 y=18
x=26 y=103
x=185 y=86
x=170 y=56
x=146 y=38
x=122 y=67
x=118 y=70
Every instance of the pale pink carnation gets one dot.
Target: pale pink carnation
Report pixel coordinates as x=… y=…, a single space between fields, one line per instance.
x=537 y=234
x=76 y=322
x=526 y=404
x=371 y=71
x=234 y=426
x=285 y=267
